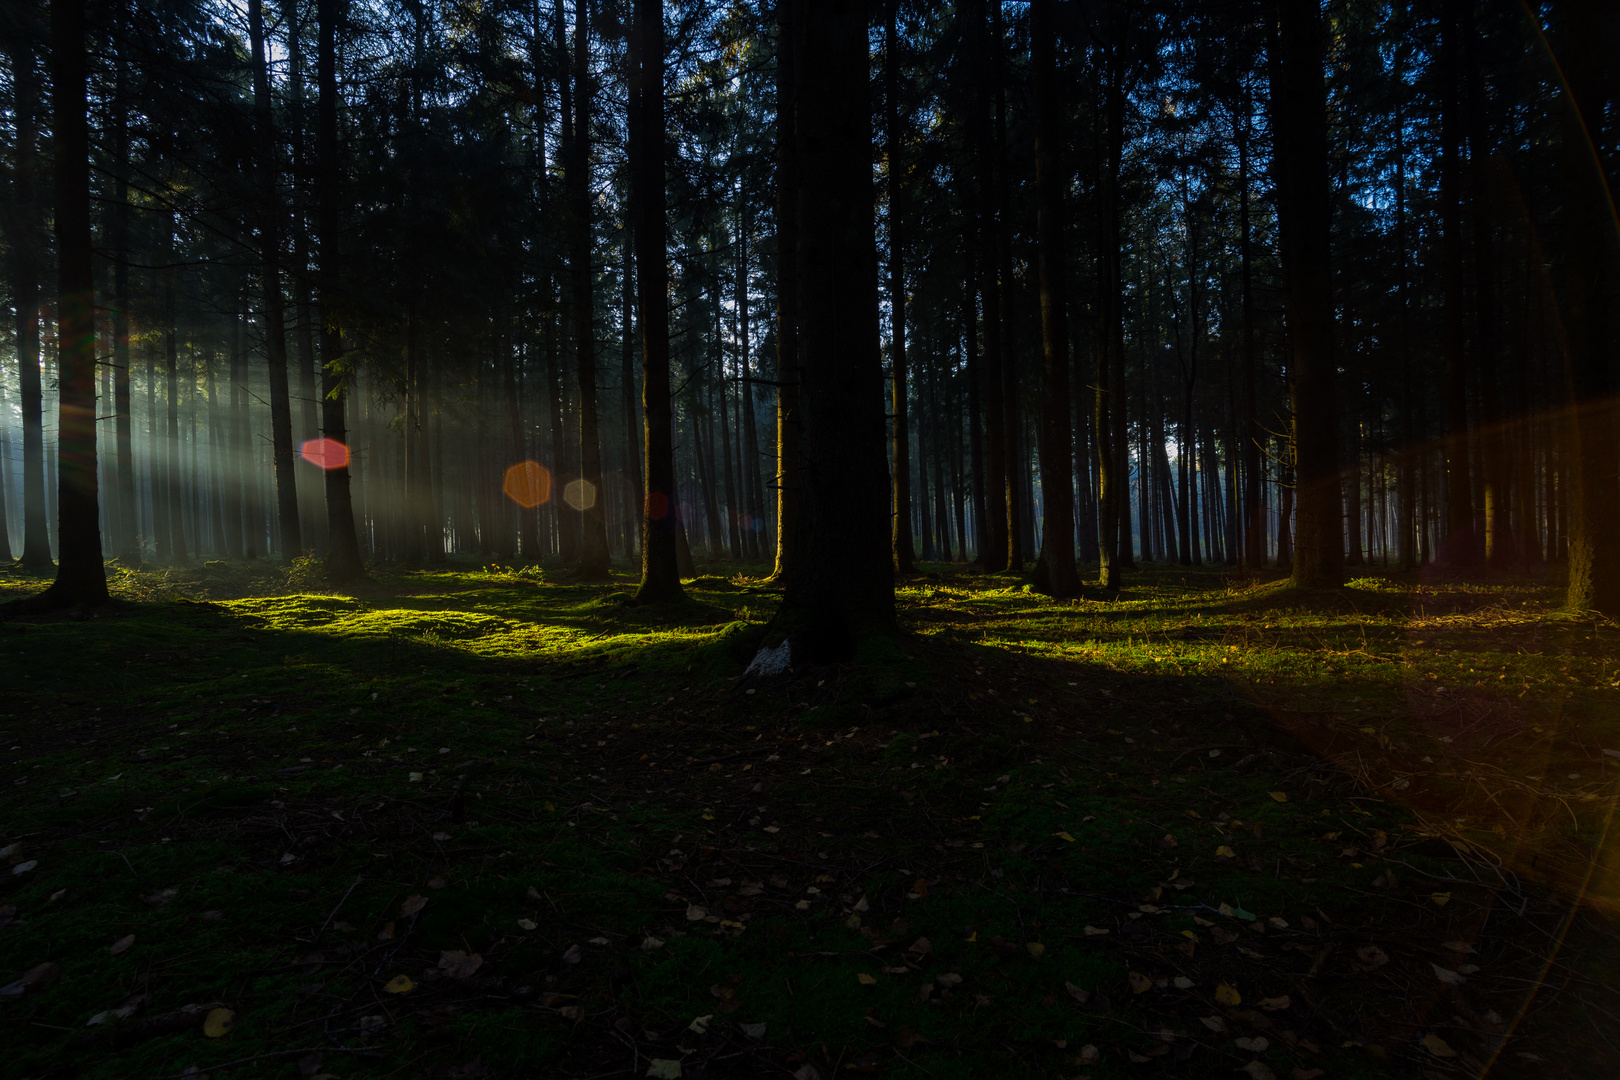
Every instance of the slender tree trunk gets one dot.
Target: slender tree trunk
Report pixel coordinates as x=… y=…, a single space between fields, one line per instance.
x=974 y=378
x=343 y=558
x=982 y=131
x=732 y=531
x=275 y=316
x=787 y=293
x=661 y=534
x=1055 y=571
x=904 y=544
x=1460 y=542
x=27 y=299
x=753 y=482
x=172 y=483
x=81 y=579
x=1299 y=102
x=627 y=388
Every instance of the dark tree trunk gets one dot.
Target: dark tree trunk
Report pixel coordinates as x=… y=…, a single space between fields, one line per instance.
x=81 y=578
x=1460 y=543
x=275 y=315
x=974 y=378
x=1303 y=211
x=1011 y=424
x=126 y=539
x=996 y=466
x=1593 y=527
x=343 y=558
x=29 y=242
x=595 y=563
x=1055 y=571
x=904 y=544
x=627 y=391
x=841 y=589
x=661 y=535
x=172 y=488
x=787 y=293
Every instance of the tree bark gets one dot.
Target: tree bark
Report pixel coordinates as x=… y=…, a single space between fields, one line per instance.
x=1460 y=543
x=840 y=595
x=1303 y=211
x=343 y=559
x=26 y=297
x=81 y=578
x=660 y=512
x=787 y=293
x=1055 y=571
x=904 y=543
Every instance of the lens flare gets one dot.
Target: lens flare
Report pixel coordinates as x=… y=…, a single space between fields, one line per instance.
x=528 y=484
x=580 y=494
x=325 y=453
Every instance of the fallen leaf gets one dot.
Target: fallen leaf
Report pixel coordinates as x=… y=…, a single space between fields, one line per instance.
x=950 y=978
x=387 y=932
x=650 y=943
x=700 y=1024
x=1224 y=852
x=24 y=867
x=1437 y=1046
x=1076 y=993
x=806 y=1071
x=1214 y=1023
x=1089 y=1053
x=663 y=1069
x=399 y=984
x=35 y=978
x=1064 y=836
x=1259 y=1070
x=574 y=955
x=753 y=1031
x=1440 y=898
x=1183 y=983
x=1255 y=1045
x=1280 y=796
x=1140 y=984
x=1308 y=1074
x=906 y=1038
x=121 y=944
x=1094 y=931
x=458 y=964
x=1457 y=946
x=1372 y=956
x=411 y=905
x=866 y=980
x=697 y=913
x=571 y=1012
x=528 y=924
x=1275 y=1004
x=1035 y=949
x=1447 y=976
x=219 y=1023
x=1228 y=996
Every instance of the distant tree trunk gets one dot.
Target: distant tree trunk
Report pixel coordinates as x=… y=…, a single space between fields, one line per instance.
x=749 y=447
x=1108 y=410
x=25 y=274
x=343 y=559
x=733 y=531
x=81 y=579
x=172 y=485
x=275 y=316
x=126 y=539
x=1254 y=522
x=1593 y=529
x=627 y=389
x=787 y=293
x=904 y=544
x=595 y=562
x=1303 y=212
x=1406 y=479
x=841 y=590
x=974 y=378
x=1055 y=571
x=1011 y=424
x=1460 y=543
x=996 y=466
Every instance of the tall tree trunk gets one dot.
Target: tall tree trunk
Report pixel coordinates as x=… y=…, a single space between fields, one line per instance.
x=787 y=293
x=627 y=389
x=841 y=589
x=1055 y=571
x=1460 y=543
x=275 y=315
x=343 y=558
x=595 y=562
x=661 y=534
x=29 y=242
x=1303 y=212
x=172 y=483
x=733 y=512
x=996 y=465
x=81 y=578
x=974 y=378
x=752 y=481
x=1011 y=424
x=126 y=540
x=904 y=544
x=1593 y=528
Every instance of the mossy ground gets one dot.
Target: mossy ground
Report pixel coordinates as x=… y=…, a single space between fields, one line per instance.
x=899 y=868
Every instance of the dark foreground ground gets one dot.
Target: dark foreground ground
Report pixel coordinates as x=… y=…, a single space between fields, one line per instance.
x=487 y=823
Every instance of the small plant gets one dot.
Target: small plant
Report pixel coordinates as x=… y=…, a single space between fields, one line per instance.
x=305 y=572
x=517 y=575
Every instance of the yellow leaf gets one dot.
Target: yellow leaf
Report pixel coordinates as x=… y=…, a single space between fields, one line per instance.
x=1224 y=852
x=866 y=980
x=972 y=937
x=1140 y=983
x=1189 y=935
x=1227 y=996
x=549 y=806
x=1438 y=1046
x=399 y=984
x=1276 y=1004
x=1035 y=949
x=1440 y=898
x=1280 y=796
x=1094 y=931
x=219 y=1022
x=1064 y=836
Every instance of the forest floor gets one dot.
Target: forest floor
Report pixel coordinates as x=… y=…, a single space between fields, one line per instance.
x=482 y=822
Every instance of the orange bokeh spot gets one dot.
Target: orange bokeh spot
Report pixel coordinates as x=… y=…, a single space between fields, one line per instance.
x=325 y=453
x=528 y=484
